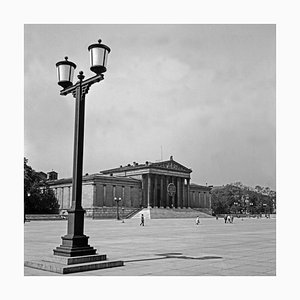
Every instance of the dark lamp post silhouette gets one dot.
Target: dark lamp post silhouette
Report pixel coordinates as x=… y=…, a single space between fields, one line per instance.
x=118 y=200
x=75 y=243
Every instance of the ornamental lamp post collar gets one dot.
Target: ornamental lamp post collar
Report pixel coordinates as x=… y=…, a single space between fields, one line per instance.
x=98 y=57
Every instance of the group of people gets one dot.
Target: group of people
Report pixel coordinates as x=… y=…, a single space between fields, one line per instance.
x=228 y=219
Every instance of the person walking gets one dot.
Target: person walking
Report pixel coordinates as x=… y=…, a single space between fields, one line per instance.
x=142 y=220
x=197 y=220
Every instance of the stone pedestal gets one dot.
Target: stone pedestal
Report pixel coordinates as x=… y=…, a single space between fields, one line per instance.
x=67 y=265
x=74 y=246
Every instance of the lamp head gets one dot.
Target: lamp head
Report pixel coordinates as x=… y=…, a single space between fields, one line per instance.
x=65 y=72
x=98 y=57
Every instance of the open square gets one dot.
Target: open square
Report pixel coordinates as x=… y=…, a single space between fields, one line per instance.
x=166 y=247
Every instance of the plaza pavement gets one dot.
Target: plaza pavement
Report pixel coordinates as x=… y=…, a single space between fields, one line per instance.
x=166 y=247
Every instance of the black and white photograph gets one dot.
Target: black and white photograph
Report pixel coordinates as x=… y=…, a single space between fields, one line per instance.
x=170 y=167
x=151 y=153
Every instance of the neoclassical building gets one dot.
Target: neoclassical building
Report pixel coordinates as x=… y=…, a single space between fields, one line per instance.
x=164 y=184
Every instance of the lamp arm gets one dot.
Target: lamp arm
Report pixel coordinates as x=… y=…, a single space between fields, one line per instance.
x=85 y=85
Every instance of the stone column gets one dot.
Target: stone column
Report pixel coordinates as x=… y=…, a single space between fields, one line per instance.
x=172 y=197
x=178 y=192
x=168 y=180
x=155 y=192
x=174 y=181
x=188 y=193
x=183 y=193
x=123 y=196
x=94 y=201
x=62 y=198
x=162 y=194
x=143 y=190
x=114 y=194
x=104 y=195
x=182 y=186
x=149 y=194
x=69 y=197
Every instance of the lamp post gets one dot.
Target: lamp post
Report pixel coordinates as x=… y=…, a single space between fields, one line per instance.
x=28 y=195
x=122 y=214
x=118 y=200
x=235 y=206
x=247 y=204
x=251 y=208
x=75 y=243
x=265 y=209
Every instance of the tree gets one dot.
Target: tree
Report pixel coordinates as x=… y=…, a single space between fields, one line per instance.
x=38 y=197
x=263 y=199
x=219 y=204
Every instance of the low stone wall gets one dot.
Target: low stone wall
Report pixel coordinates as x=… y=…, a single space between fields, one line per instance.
x=46 y=217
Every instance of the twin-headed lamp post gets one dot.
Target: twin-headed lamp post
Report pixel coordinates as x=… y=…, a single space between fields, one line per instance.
x=75 y=243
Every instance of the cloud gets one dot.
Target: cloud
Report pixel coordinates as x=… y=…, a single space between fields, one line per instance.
x=207 y=97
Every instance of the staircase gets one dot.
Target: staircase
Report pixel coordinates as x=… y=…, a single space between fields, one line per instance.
x=144 y=211
x=172 y=213
x=204 y=210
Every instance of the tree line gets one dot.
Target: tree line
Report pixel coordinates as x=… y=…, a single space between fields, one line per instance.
x=238 y=198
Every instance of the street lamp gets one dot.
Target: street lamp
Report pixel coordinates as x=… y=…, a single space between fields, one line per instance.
x=265 y=209
x=247 y=204
x=28 y=195
x=75 y=243
x=251 y=208
x=118 y=200
x=235 y=206
x=122 y=214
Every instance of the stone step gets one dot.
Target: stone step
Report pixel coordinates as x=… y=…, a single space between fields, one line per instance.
x=162 y=213
x=67 y=265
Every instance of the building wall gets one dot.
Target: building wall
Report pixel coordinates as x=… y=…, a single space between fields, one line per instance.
x=100 y=192
x=200 y=197
x=87 y=195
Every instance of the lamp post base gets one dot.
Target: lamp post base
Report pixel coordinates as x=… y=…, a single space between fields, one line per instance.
x=74 y=246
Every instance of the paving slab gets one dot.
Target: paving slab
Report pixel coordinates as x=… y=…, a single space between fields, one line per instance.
x=170 y=247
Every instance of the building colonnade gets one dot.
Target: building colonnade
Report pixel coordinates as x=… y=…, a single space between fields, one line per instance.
x=155 y=192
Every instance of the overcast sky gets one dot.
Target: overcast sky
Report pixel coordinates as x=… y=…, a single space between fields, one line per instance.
x=202 y=93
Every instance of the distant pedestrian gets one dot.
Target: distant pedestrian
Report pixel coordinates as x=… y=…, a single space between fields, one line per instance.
x=142 y=220
x=217 y=217
x=225 y=218
x=197 y=220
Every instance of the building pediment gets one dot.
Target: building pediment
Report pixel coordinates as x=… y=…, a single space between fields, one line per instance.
x=136 y=168
x=171 y=165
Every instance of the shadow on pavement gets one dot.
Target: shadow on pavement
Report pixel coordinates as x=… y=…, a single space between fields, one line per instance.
x=174 y=255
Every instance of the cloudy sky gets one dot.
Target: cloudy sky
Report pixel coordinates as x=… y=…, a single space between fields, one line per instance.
x=202 y=93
